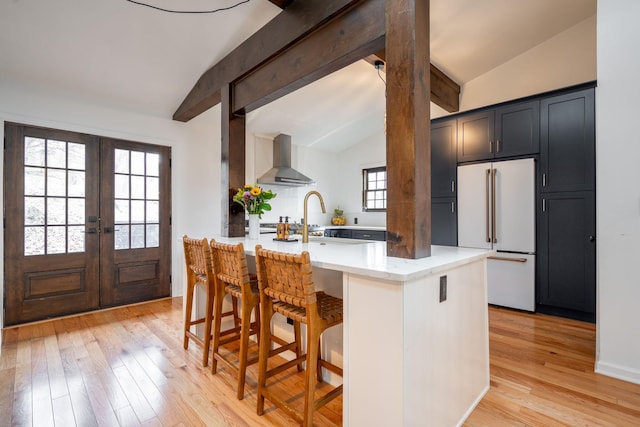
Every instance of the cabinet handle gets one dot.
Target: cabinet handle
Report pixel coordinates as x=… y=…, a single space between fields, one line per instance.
x=491 y=146
x=453 y=207
x=544 y=205
x=497 y=146
x=544 y=179
x=453 y=186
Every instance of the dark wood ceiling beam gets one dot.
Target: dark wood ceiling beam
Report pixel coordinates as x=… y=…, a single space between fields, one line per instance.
x=445 y=92
x=289 y=26
x=281 y=3
x=346 y=39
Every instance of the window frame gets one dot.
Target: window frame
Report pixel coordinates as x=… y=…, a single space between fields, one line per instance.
x=366 y=190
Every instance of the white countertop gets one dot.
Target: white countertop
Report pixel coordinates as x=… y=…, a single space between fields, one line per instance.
x=366 y=258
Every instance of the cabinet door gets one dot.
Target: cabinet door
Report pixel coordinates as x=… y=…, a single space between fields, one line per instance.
x=517 y=129
x=475 y=136
x=443 y=159
x=567 y=134
x=567 y=252
x=444 y=222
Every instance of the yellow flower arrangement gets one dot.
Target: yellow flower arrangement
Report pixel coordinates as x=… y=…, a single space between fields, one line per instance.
x=253 y=199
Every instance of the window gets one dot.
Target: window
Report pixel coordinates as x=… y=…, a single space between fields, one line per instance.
x=374 y=193
x=54 y=199
x=137 y=199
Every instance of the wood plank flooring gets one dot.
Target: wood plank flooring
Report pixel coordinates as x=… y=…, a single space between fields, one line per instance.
x=127 y=367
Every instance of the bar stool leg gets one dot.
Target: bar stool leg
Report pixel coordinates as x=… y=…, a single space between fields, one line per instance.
x=296 y=335
x=217 y=324
x=187 y=314
x=265 y=346
x=319 y=368
x=310 y=375
x=207 y=326
x=245 y=331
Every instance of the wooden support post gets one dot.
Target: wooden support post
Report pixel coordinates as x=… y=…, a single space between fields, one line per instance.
x=408 y=143
x=232 y=166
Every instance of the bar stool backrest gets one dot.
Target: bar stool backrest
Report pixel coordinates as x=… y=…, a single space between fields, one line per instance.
x=230 y=263
x=197 y=258
x=286 y=277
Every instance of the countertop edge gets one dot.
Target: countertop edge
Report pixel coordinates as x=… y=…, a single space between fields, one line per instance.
x=369 y=259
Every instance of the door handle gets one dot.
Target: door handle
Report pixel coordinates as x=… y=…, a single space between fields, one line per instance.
x=493 y=205
x=92 y=230
x=502 y=258
x=486 y=222
x=108 y=230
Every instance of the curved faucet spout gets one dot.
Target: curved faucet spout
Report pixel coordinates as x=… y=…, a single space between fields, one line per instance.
x=305 y=226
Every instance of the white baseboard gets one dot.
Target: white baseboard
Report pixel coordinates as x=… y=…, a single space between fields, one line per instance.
x=616 y=371
x=473 y=405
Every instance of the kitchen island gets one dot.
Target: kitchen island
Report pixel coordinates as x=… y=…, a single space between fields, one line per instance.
x=409 y=358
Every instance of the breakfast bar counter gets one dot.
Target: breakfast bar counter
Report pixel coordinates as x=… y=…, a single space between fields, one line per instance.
x=415 y=340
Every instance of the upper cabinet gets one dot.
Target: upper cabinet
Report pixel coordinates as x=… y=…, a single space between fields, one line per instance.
x=443 y=158
x=567 y=161
x=475 y=136
x=517 y=129
x=506 y=131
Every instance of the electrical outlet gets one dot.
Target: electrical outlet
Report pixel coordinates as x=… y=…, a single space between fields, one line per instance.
x=443 y=288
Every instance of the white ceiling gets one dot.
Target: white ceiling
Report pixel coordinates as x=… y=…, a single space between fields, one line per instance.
x=126 y=56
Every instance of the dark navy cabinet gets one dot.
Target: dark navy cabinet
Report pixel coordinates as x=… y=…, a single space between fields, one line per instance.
x=566 y=267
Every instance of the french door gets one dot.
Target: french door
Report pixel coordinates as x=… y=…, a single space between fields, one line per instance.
x=87 y=222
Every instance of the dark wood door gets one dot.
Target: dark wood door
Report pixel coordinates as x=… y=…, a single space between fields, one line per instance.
x=567 y=158
x=51 y=238
x=136 y=222
x=517 y=129
x=87 y=223
x=567 y=255
x=475 y=136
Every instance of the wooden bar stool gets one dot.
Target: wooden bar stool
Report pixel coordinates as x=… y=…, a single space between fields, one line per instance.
x=200 y=272
x=232 y=277
x=286 y=287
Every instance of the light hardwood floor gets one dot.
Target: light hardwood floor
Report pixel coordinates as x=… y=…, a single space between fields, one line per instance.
x=127 y=367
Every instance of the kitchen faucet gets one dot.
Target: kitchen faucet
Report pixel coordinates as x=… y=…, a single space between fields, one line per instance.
x=305 y=226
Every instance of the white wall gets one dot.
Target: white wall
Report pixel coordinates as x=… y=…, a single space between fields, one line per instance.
x=193 y=144
x=618 y=190
x=368 y=153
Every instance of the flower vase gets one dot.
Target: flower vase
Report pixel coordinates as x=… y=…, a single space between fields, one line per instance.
x=254 y=226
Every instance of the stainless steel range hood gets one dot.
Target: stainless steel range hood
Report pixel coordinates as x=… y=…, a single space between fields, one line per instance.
x=282 y=173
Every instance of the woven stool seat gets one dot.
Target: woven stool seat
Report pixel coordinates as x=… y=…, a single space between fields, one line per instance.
x=329 y=309
x=286 y=287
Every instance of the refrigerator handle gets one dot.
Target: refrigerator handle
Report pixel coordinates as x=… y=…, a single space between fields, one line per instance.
x=487 y=211
x=493 y=206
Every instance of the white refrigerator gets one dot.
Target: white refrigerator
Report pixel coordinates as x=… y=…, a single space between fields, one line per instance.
x=496 y=210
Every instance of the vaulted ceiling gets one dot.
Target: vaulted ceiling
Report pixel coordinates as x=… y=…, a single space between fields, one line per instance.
x=126 y=56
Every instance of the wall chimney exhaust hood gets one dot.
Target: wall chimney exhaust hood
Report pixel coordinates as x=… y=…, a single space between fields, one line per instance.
x=282 y=173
